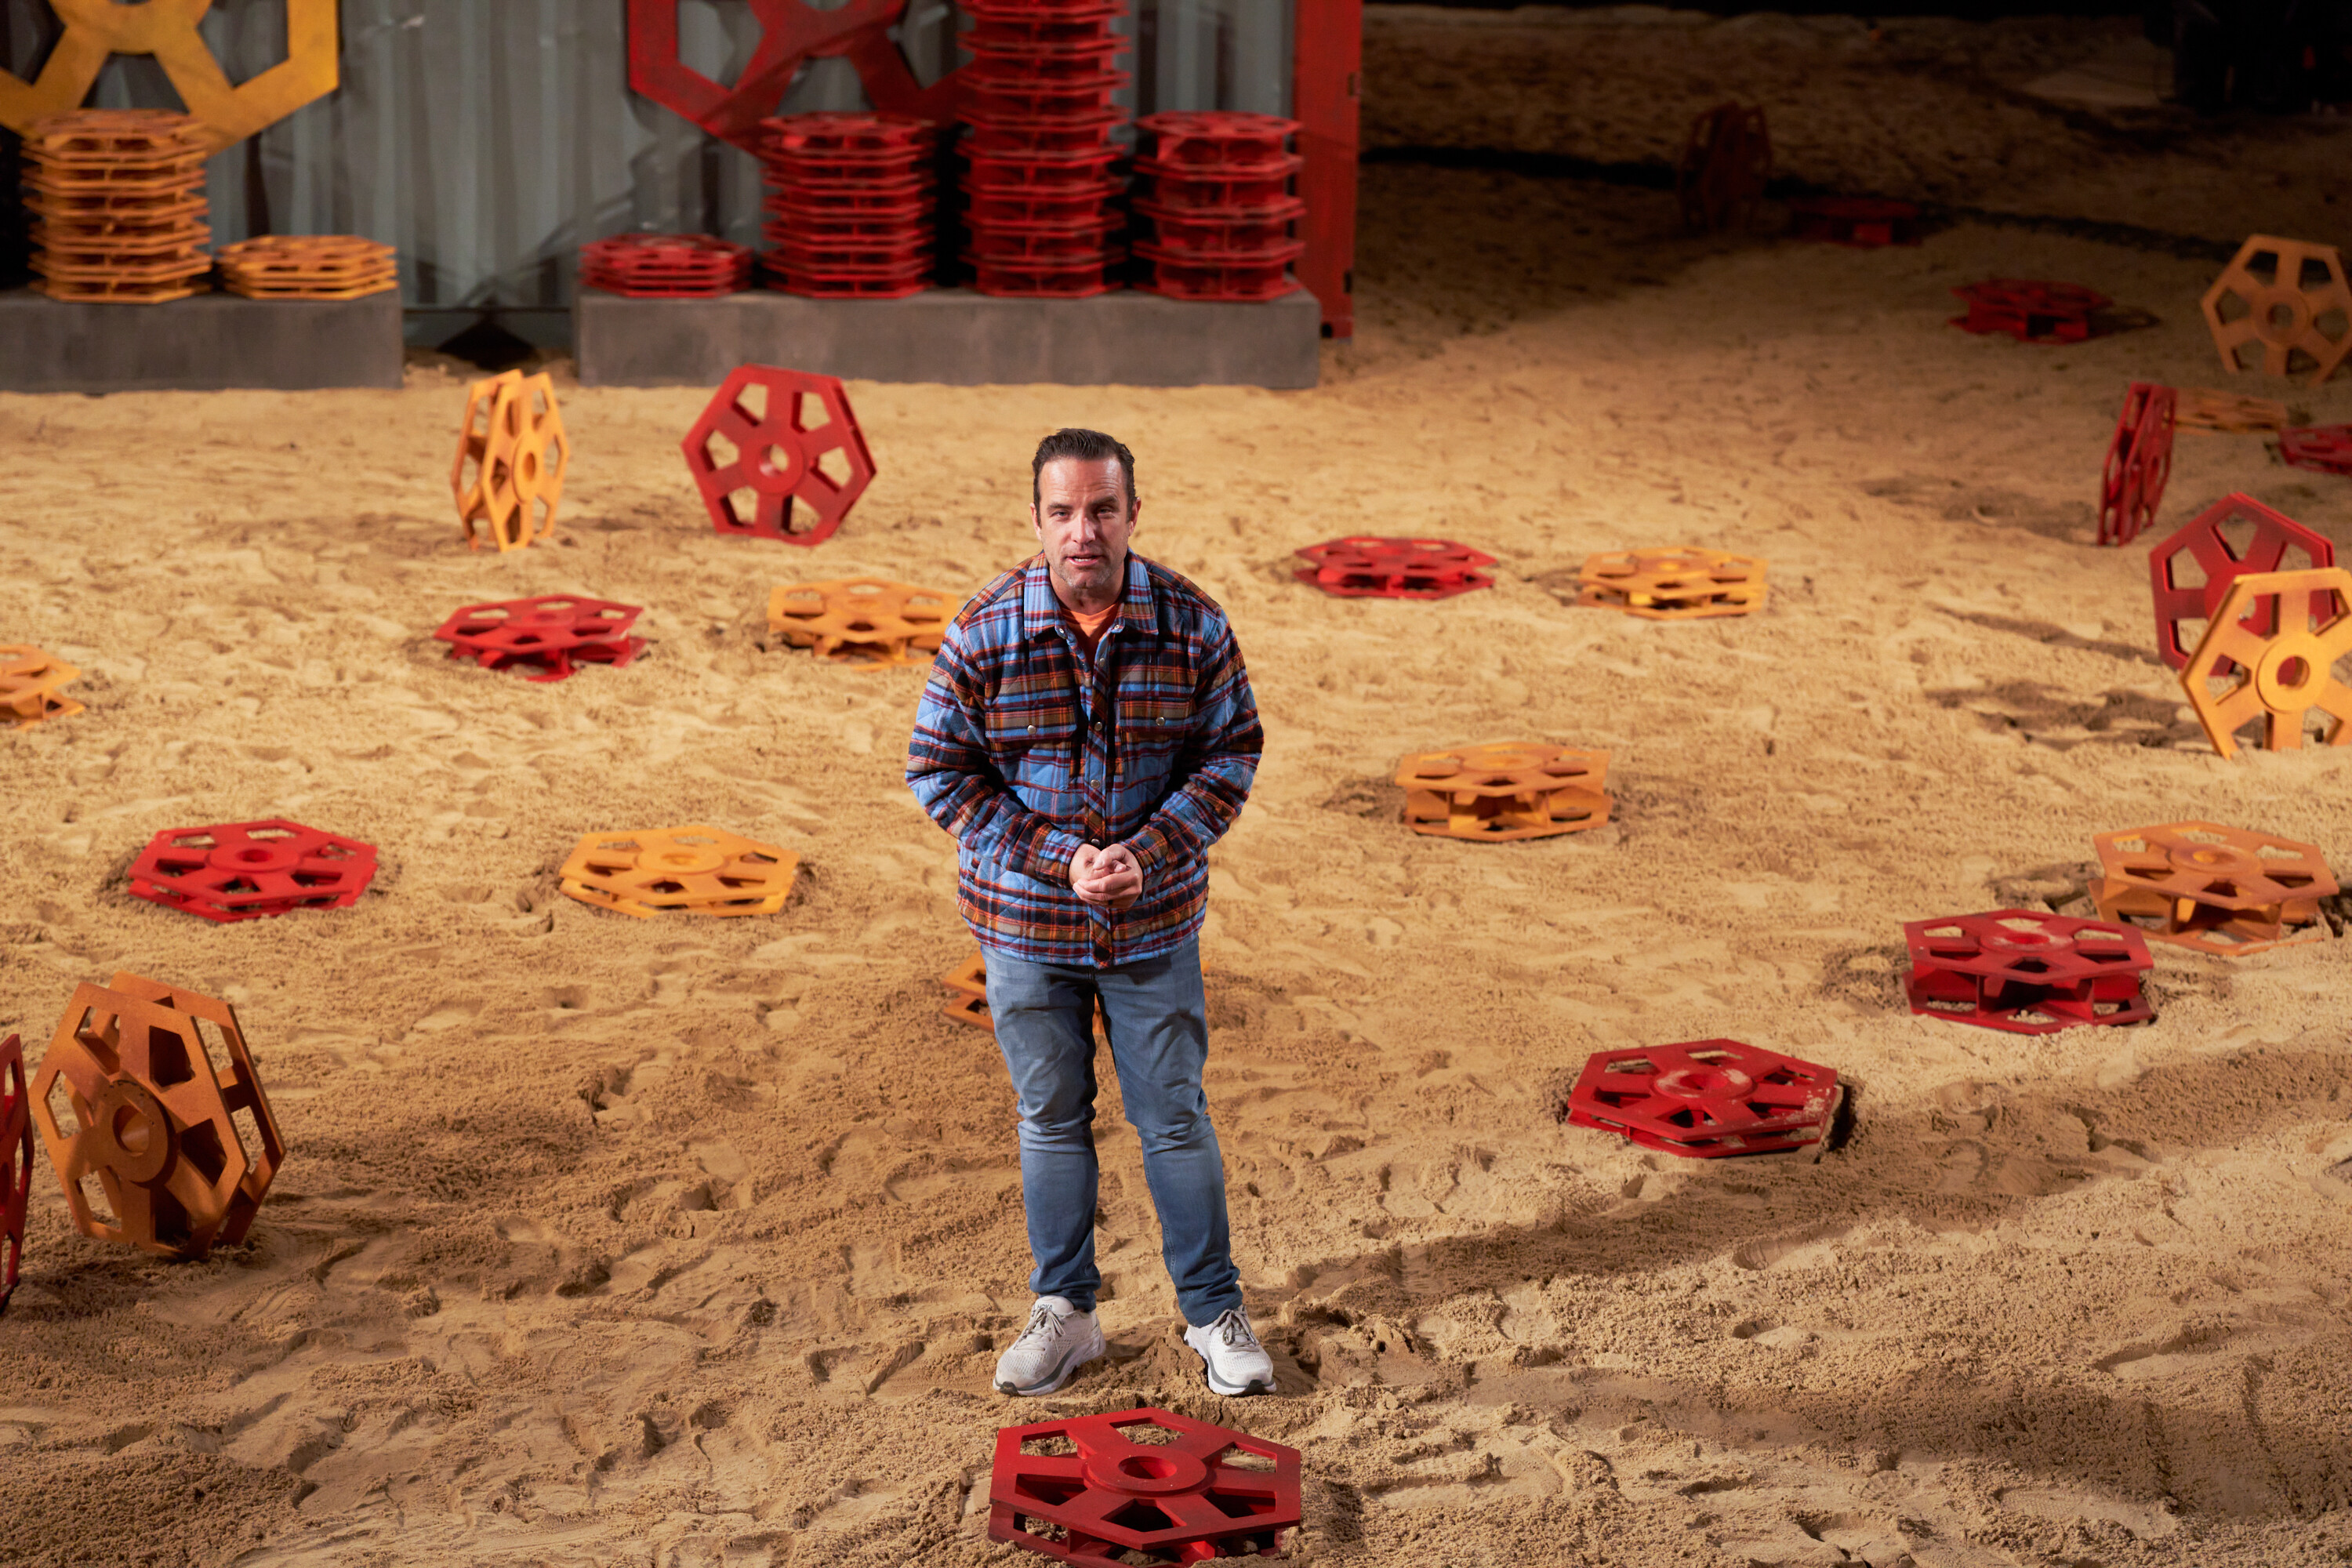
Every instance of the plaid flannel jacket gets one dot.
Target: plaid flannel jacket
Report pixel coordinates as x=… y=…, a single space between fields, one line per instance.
x=1024 y=750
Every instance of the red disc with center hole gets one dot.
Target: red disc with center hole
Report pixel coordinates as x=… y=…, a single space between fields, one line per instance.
x=2139 y=460
x=550 y=635
x=16 y=1173
x=1366 y=566
x=245 y=870
x=2236 y=536
x=1143 y=1480
x=796 y=442
x=2027 y=971
x=1704 y=1097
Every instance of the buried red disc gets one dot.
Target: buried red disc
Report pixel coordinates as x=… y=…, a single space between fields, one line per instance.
x=2031 y=309
x=2026 y=971
x=1367 y=566
x=550 y=635
x=1704 y=1097
x=2323 y=448
x=245 y=870
x=1091 y=1489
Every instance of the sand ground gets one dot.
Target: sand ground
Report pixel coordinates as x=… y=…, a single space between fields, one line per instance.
x=692 y=1241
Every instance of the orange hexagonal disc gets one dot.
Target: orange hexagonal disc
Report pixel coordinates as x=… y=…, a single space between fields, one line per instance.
x=2284 y=678
x=1505 y=789
x=511 y=457
x=29 y=682
x=2221 y=890
x=2283 y=307
x=860 y=620
x=1680 y=583
x=699 y=868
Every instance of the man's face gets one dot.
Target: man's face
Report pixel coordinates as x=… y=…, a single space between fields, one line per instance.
x=1083 y=521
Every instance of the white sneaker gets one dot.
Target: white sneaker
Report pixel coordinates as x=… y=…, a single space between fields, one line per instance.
x=1229 y=1351
x=1058 y=1341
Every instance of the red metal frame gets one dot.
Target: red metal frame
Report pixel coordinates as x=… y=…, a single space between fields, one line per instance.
x=1327 y=99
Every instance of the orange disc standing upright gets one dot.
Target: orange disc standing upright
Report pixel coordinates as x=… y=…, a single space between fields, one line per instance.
x=2283 y=679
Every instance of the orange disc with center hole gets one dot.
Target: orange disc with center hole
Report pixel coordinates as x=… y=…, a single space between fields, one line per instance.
x=699 y=869
x=861 y=620
x=2220 y=890
x=2280 y=678
x=1505 y=790
x=1684 y=583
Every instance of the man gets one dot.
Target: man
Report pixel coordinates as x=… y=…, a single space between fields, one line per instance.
x=1087 y=732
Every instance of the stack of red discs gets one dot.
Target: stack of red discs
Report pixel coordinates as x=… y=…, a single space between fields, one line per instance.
x=1219 y=204
x=1043 y=172
x=849 y=204
x=665 y=265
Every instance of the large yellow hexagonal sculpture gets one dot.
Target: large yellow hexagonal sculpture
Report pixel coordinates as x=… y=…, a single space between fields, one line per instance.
x=96 y=29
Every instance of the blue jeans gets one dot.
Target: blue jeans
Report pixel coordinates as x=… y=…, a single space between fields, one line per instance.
x=1158 y=1026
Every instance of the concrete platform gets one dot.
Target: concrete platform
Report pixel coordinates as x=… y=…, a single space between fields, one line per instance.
x=203 y=344
x=952 y=336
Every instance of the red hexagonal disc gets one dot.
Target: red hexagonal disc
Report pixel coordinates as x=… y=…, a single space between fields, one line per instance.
x=771 y=439
x=2323 y=448
x=1704 y=1097
x=2027 y=971
x=1365 y=566
x=245 y=870
x=1146 y=1480
x=2139 y=460
x=551 y=635
x=2233 y=537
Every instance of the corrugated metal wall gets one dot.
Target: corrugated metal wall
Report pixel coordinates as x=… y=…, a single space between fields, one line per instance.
x=488 y=139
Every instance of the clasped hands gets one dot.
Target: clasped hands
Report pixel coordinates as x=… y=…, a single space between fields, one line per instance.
x=1110 y=879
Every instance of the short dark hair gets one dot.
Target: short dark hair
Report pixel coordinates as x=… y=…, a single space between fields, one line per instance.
x=1086 y=445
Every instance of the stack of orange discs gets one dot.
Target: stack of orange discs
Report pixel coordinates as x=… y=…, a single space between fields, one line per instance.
x=309 y=267
x=117 y=202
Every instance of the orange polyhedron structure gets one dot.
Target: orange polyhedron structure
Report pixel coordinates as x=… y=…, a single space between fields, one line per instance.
x=2238 y=673
x=2287 y=299
x=514 y=441
x=155 y=1080
x=309 y=267
x=95 y=30
x=703 y=869
x=2220 y=890
x=1674 y=585
x=860 y=620
x=29 y=682
x=1505 y=789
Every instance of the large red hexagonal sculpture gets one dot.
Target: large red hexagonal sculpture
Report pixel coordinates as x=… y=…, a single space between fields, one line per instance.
x=772 y=438
x=792 y=33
